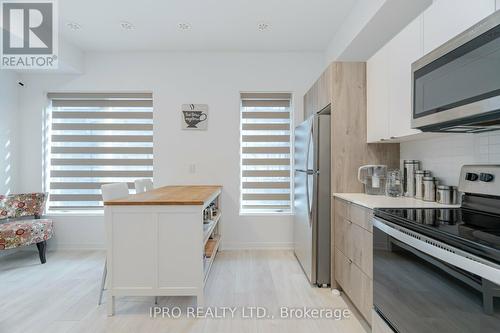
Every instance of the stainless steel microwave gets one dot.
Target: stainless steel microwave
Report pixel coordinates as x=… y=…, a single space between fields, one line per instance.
x=456 y=87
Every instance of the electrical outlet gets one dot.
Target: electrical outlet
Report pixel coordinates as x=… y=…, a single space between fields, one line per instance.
x=192 y=168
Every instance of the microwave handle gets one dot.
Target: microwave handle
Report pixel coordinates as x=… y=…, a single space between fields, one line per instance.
x=441 y=251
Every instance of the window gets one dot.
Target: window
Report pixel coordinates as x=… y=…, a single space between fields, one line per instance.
x=96 y=139
x=265 y=153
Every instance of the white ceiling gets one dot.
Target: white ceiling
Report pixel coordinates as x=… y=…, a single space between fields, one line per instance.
x=217 y=25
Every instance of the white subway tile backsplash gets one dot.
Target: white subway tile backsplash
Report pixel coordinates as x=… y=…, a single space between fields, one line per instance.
x=494 y=159
x=494 y=149
x=445 y=155
x=483 y=140
x=494 y=139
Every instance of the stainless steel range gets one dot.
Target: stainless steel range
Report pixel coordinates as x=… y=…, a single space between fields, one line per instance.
x=438 y=270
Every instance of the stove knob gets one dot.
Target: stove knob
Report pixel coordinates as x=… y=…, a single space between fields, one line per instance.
x=471 y=176
x=486 y=177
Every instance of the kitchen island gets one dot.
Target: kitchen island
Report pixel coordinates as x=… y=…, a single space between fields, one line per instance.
x=157 y=242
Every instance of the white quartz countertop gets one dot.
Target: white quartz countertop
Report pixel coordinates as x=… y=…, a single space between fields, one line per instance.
x=382 y=201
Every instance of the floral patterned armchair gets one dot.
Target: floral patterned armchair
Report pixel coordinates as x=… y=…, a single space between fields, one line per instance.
x=21 y=223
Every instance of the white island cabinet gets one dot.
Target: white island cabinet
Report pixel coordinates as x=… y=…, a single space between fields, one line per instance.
x=157 y=242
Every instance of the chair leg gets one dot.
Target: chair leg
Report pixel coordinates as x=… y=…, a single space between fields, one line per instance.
x=103 y=281
x=42 y=246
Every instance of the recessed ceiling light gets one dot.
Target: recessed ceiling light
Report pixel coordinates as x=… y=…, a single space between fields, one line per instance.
x=263 y=26
x=184 y=26
x=127 y=25
x=73 y=26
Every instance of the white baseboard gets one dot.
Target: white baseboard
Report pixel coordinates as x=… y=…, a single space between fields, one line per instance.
x=226 y=246
x=230 y=246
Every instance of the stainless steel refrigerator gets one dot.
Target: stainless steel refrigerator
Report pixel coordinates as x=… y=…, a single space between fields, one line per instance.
x=312 y=197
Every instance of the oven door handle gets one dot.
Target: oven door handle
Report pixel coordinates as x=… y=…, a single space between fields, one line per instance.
x=441 y=251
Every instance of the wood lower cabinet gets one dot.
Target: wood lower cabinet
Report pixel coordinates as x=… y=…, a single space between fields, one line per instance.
x=353 y=254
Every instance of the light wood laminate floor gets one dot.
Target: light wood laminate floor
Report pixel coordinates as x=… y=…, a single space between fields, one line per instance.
x=61 y=296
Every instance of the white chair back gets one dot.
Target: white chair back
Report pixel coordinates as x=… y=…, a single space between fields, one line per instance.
x=114 y=191
x=143 y=185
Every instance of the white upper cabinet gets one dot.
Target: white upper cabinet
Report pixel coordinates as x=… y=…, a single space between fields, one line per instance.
x=389 y=105
x=389 y=85
x=377 y=95
x=497 y=7
x=445 y=19
x=405 y=48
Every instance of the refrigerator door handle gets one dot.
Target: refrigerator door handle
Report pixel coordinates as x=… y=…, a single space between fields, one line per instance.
x=309 y=172
x=308 y=203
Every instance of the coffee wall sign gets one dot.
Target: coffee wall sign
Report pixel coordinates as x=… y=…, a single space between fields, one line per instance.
x=194 y=116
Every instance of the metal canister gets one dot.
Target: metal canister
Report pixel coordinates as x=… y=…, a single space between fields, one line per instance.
x=446 y=194
x=419 y=182
x=409 y=168
x=448 y=216
x=429 y=188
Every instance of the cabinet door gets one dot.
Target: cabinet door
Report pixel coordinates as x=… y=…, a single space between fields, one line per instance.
x=307 y=105
x=310 y=102
x=497 y=7
x=319 y=96
x=324 y=86
x=404 y=49
x=445 y=19
x=377 y=94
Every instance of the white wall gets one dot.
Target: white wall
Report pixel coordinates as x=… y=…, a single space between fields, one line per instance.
x=8 y=131
x=370 y=25
x=8 y=135
x=177 y=78
x=445 y=155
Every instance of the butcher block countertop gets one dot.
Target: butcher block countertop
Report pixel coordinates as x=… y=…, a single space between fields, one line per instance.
x=170 y=195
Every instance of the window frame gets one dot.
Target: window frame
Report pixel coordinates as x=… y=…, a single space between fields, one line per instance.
x=47 y=133
x=291 y=108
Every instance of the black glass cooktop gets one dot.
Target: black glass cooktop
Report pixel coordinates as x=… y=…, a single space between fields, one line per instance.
x=468 y=230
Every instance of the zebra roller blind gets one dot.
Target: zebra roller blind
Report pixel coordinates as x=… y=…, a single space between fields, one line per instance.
x=97 y=139
x=265 y=153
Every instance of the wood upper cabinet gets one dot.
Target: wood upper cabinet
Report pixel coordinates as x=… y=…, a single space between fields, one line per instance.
x=310 y=101
x=319 y=96
x=324 y=86
x=445 y=19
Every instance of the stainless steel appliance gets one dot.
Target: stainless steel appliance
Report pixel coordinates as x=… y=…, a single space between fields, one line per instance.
x=438 y=270
x=312 y=197
x=456 y=87
x=410 y=168
x=373 y=178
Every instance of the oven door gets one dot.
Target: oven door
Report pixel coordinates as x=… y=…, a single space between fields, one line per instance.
x=421 y=285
